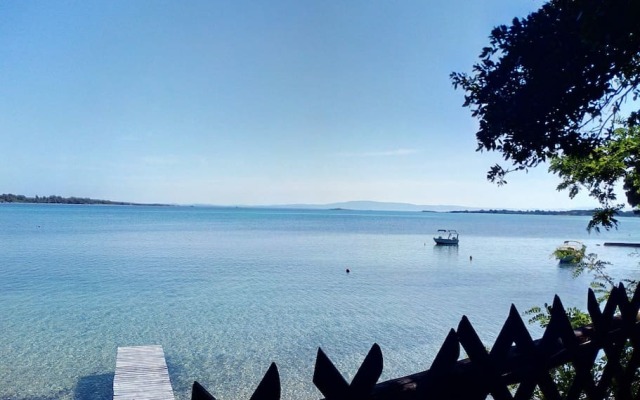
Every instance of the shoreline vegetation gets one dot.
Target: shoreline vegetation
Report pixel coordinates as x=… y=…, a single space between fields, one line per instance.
x=540 y=212
x=18 y=198
x=53 y=199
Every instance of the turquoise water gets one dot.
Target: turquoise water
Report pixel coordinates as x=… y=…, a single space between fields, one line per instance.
x=228 y=291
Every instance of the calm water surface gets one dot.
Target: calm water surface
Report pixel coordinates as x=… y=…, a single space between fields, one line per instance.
x=228 y=291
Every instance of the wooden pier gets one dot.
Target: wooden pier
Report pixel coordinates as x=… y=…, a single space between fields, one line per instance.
x=622 y=244
x=141 y=374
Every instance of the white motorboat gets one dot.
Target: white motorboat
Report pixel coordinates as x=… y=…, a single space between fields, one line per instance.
x=570 y=252
x=446 y=237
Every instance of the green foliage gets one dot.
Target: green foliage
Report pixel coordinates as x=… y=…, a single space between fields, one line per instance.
x=602 y=283
x=616 y=160
x=542 y=316
x=564 y=375
x=553 y=84
x=570 y=254
x=12 y=198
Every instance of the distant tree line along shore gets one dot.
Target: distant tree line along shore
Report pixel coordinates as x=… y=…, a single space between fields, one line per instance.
x=545 y=212
x=18 y=198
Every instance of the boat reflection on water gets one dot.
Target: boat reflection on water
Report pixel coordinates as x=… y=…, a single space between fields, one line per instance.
x=445 y=250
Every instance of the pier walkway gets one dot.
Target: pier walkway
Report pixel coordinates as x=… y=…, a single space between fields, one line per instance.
x=141 y=374
x=622 y=244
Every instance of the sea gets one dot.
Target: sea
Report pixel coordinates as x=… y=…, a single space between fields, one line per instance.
x=228 y=291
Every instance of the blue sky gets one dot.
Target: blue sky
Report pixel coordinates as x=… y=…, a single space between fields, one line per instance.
x=251 y=102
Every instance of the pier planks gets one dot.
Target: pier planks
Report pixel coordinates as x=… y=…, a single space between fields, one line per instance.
x=141 y=374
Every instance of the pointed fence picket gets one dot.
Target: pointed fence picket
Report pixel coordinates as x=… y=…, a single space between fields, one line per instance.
x=516 y=367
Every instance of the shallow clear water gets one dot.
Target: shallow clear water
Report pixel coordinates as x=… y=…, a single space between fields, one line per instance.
x=228 y=291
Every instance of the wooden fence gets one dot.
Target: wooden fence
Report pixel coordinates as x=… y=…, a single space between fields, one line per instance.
x=597 y=361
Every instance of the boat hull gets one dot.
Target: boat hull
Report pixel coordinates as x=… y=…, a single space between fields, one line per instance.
x=571 y=252
x=446 y=241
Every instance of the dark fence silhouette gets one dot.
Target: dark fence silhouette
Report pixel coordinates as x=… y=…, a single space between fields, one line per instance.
x=515 y=367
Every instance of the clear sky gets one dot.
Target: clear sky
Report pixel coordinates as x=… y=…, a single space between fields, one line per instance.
x=251 y=102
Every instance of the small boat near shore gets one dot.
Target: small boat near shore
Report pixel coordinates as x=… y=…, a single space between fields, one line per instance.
x=446 y=237
x=570 y=252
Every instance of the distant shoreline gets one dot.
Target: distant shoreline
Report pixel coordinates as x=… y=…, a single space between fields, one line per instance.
x=540 y=212
x=21 y=199
x=13 y=198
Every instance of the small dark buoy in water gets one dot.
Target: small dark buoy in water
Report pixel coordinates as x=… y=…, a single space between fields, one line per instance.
x=348 y=270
